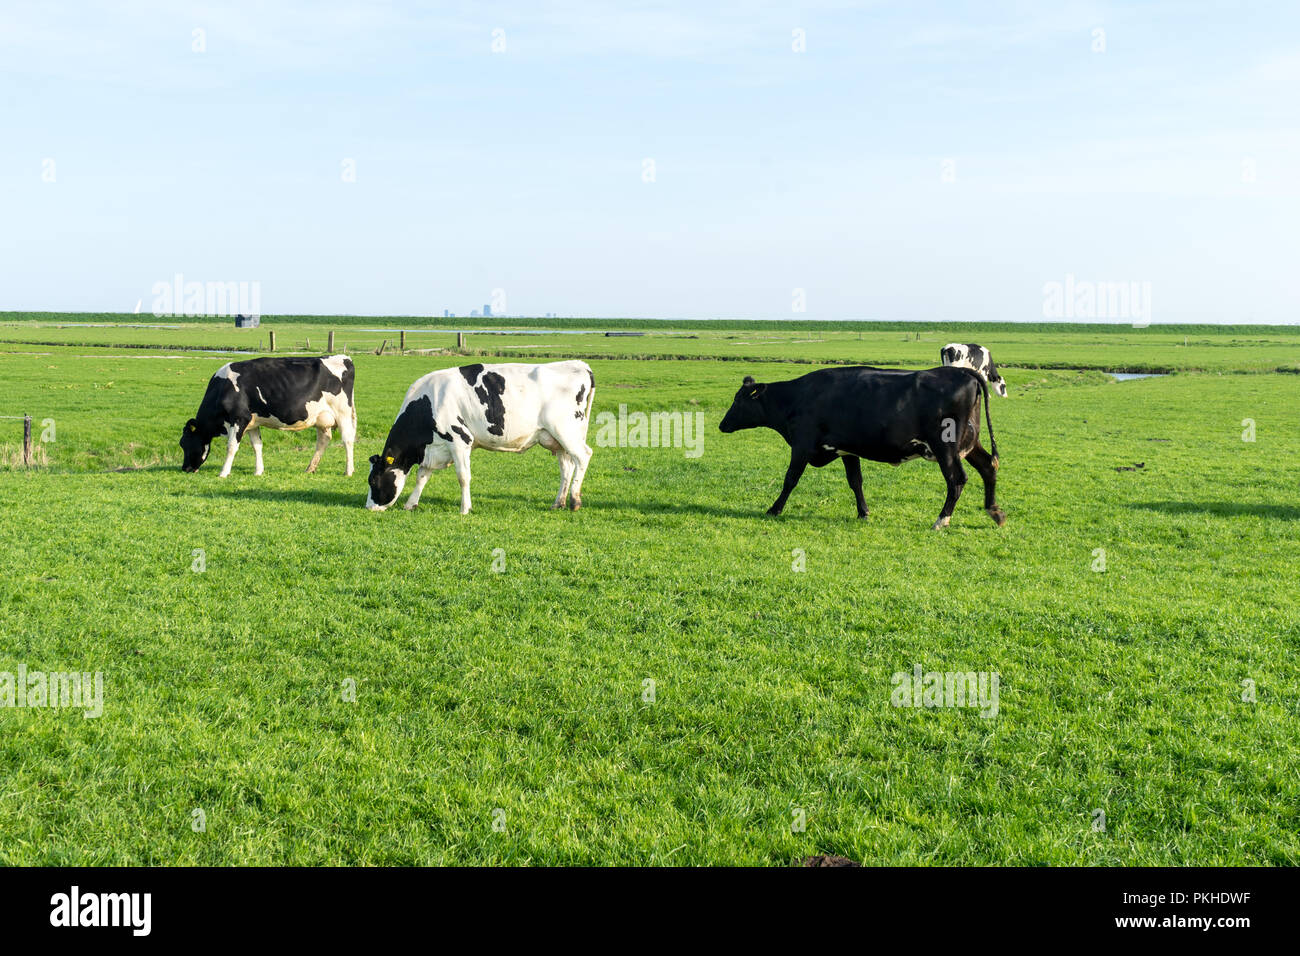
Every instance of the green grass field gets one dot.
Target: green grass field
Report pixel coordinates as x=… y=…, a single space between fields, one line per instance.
x=505 y=716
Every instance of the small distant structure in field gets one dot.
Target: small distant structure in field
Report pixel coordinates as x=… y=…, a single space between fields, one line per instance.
x=247 y=321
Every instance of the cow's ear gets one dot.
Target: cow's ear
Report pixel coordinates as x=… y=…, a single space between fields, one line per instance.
x=749 y=380
x=374 y=459
x=756 y=390
x=192 y=425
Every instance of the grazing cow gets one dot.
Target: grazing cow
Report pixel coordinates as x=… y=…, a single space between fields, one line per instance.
x=286 y=393
x=510 y=407
x=976 y=358
x=878 y=414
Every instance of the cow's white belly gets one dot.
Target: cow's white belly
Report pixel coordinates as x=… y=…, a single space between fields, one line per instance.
x=508 y=442
x=320 y=414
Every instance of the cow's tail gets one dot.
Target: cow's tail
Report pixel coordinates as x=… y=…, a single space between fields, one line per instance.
x=351 y=392
x=591 y=401
x=989 y=421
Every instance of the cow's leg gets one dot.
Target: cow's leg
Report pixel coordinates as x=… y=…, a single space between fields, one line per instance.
x=580 y=463
x=551 y=444
x=567 y=465
x=232 y=446
x=460 y=458
x=255 y=436
x=574 y=454
x=322 y=441
x=982 y=462
x=579 y=456
x=953 y=473
x=421 y=478
x=348 y=433
x=798 y=462
x=853 y=471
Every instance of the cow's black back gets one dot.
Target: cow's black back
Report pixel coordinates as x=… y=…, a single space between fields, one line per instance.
x=873 y=413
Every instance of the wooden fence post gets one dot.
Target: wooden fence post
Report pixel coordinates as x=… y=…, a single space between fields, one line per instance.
x=460 y=341
x=27 y=441
x=331 y=348
x=402 y=341
x=272 y=334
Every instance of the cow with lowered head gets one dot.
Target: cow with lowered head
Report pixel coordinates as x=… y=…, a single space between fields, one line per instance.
x=290 y=394
x=882 y=415
x=506 y=407
x=978 y=359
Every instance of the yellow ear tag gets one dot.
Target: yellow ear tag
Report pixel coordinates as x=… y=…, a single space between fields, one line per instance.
x=193 y=429
x=389 y=459
x=754 y=393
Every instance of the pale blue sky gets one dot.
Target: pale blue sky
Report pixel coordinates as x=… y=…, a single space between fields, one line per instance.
x=775 y=170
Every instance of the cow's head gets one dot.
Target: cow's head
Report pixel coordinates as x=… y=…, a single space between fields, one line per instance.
x=195 y=443
x=747 y=409
x=386 y=481
x=995 y=380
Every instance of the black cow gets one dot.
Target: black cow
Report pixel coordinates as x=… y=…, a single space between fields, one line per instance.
x=285 y=393
x=879 y=414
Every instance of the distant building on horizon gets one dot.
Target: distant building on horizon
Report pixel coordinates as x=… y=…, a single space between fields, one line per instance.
x=487 y=309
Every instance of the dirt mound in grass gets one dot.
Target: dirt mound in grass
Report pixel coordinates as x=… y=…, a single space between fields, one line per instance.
x=823 y=859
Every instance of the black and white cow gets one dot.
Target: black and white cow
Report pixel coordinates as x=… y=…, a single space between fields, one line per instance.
x=285 y=393
x=976 y=358
x=878 y=414
x=509 y=407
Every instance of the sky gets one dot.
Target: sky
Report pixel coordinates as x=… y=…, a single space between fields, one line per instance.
x=821 y=160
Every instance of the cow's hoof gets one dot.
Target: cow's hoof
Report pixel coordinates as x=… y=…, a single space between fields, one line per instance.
x=558 y=506
x=941 y=523
x=575 y=504
x=862 y=515
x=409 y=507
x=998 y=515
x=347 y=474
x=774 y=512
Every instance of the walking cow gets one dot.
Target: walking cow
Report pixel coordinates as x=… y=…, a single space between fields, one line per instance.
x=877 y=414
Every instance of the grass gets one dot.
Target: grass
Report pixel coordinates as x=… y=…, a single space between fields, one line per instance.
x=524 y=691
x=1041 y=345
